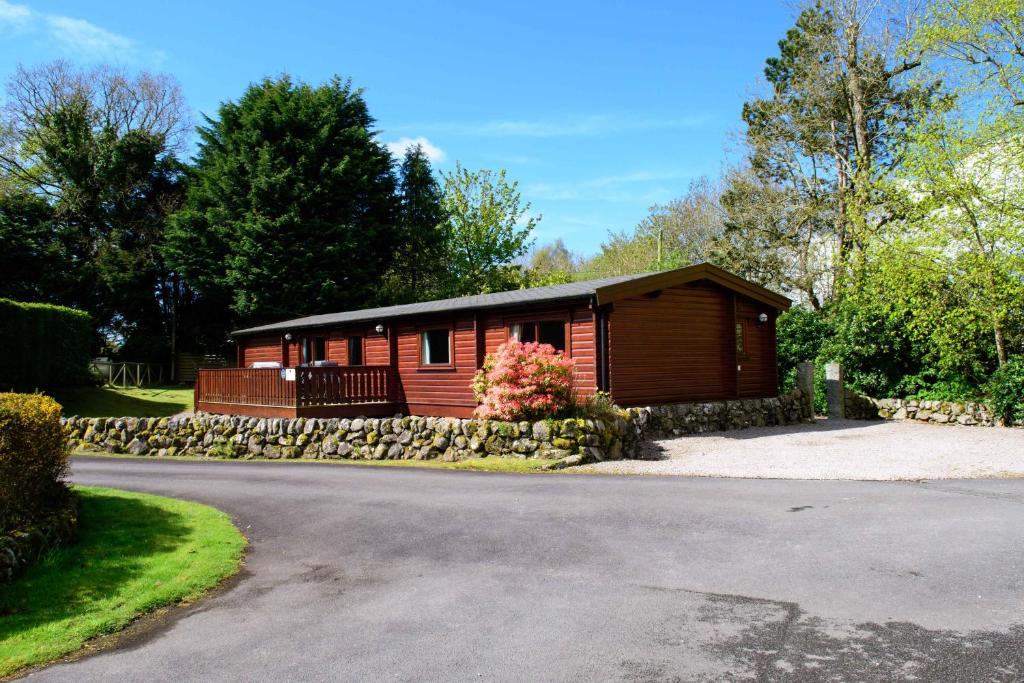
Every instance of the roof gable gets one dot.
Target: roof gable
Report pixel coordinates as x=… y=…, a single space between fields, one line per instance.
x=605 y=290
x=702 y=271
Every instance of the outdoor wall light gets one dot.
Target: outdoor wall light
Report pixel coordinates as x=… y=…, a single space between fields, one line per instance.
x=287 y=336
x=379 y=328
x=762 y=318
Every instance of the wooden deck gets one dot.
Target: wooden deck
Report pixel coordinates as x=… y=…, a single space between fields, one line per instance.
x=342 y=391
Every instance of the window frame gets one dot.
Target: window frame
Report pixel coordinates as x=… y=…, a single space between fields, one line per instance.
x=537 y=320
x=450 y=365
x=349 y=338
x=742 y=337
x=308 y=346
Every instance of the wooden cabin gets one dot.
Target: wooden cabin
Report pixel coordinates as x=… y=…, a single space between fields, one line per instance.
x=691 y=334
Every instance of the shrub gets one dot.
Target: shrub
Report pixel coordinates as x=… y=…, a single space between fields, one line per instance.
x=523 y=382
x=801 y=334
x=599 y=406
x=1006 y=388
x=44 y=346
x=33 y=459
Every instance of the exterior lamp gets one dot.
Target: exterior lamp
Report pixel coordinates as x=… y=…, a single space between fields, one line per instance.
x=762 y=318
x=379 y=328
x=287 y=336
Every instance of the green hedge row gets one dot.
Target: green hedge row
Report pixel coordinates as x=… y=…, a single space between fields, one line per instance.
x=43 y=346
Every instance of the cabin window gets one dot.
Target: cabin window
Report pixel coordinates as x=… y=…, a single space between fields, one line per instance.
x=355 y=350
x=313 y=349
x=541 y=331
x=436 y=347
x=741 y=338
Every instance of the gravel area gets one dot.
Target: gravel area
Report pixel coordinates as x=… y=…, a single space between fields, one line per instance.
x=835 y=449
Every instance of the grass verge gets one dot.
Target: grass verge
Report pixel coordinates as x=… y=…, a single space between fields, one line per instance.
x=130 y=402
x=135 y=553
x=476 y=464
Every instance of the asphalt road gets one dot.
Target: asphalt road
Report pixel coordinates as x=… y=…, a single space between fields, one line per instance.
x=370 y=574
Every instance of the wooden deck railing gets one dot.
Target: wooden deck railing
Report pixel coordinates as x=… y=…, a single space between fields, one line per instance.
x=328 y=386
x=341 y=385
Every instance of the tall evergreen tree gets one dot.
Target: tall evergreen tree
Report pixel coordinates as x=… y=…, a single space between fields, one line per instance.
x=418 y=272
x=292 y=205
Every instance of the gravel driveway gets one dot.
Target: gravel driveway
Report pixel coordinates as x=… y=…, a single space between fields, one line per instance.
x=836 y=449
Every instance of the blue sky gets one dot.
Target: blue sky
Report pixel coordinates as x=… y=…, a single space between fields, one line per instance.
x=599 y=109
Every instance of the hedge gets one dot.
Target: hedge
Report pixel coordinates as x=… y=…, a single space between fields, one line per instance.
x=43 y=346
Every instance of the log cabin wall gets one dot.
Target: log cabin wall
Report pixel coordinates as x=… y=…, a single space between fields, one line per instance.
x=259 y=349
x=580 y=336
x=758 y=375
x=440 y=390
x=680 y=345
x=675 y=345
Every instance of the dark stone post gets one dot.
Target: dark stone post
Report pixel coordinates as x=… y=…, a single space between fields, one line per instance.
x=805 y=383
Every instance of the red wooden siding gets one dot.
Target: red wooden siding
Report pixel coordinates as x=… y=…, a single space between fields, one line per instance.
x=260 y=349
x=583 y=339
x=375 y=349
x=441 y=390
x=758 y=374
x=675 y=346
x=579 y=338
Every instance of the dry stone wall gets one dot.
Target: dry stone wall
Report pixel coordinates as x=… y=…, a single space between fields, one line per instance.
x=934 y=412
x=393 y=438
x=655 y=422
x=565 y=442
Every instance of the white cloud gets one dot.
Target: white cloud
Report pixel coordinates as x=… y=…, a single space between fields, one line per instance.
x=81 y=37
x=76 y=37
x=14 y=15
x=601 y=124
x=399 y=146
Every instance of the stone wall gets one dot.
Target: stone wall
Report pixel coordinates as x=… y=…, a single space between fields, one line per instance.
x=567 y=442
x=935 y=412
x=393 y=438
x=25 y=545
x=654 y=422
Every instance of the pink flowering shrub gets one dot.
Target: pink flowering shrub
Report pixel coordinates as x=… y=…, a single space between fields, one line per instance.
x=524 y=382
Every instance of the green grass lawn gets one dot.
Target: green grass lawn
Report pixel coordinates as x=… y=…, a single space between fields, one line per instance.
x=130 y=402
x=495 y=464
x=135 y=553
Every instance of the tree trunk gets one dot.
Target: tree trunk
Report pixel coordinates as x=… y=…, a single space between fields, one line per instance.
x=1000 y=343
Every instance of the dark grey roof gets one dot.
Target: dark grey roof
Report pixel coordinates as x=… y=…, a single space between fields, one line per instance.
x=573 y=290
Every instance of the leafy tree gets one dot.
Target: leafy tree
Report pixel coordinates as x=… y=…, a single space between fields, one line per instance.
x=551 y=264
x=98 y=147
x=487 y=228
x=682 y=232
x=416 y=275
x=801 y=334
x=817 y=145
x=292 y=206
x=961 y=183
x=1007 y=391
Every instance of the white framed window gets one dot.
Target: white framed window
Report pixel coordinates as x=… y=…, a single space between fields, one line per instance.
x=436 y=347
